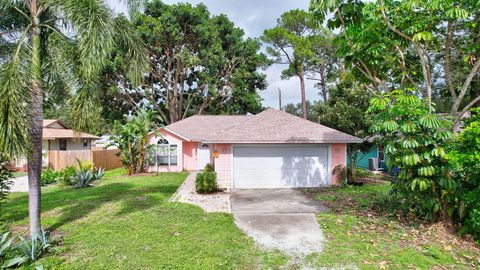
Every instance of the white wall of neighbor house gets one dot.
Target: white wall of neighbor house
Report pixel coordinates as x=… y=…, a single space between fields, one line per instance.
x=72 y=144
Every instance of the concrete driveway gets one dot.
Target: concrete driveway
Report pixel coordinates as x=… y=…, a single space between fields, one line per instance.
x=282 y=219
x=19 y=184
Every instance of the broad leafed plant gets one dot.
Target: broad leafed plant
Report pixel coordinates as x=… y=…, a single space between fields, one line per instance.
x=50 y=47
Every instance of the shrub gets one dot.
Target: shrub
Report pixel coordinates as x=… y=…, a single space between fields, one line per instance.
x=66 y=176
x=206 y=181
x=416 y=142
x=343 y=173
x=48 y=176
x=209 y=168
x=465 y=159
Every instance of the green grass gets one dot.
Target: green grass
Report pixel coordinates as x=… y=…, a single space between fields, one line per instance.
x=357 y=236
x=18 y=174
x=128 y=223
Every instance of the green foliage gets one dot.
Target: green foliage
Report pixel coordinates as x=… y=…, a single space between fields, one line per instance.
x=416 y=36
x=304 y=47
x=66 y=175
x=344 y=174
x=209 y=168
x=465 y=158
x=49 y=176
x=206 y=181
x=416 y=143
x=86 y=174
x=345 y=111
x=131 y=139
x=5 y=175
x=31 y=250
x=216 y=68
x=6 y=243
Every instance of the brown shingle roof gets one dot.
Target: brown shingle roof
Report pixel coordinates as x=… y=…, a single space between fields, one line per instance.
x=202 y=127
x=54 y=133
x=269 y=126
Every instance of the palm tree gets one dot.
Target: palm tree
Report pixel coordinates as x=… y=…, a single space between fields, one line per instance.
x=55 y=45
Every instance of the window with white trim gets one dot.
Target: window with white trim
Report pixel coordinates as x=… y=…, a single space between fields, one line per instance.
x=163 y=154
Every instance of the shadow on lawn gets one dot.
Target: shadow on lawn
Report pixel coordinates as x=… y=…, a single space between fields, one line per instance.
x=74 y=204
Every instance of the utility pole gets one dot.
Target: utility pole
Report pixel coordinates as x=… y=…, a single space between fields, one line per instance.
x=279 y=98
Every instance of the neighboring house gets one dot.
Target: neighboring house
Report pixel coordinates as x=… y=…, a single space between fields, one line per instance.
x=104 y=143
x=272 y=149
x=376 y=152
x=61 y=145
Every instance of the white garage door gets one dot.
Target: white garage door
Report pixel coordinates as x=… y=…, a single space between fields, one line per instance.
x=285 y=166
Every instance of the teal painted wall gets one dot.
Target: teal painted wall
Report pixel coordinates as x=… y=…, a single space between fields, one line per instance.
x=362 y=159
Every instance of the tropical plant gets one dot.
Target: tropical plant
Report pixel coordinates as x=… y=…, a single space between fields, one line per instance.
x=206 y=181
x=84 y=178
x=49 y=176
x=465 y=158
x=53 y=46
x=66 y=176
x=32 y=249
x=6 y=243
x=426 y=45
x=5 y=176
x=416 y=142
x=345 y=110
x=86 y=174
x=131 y=138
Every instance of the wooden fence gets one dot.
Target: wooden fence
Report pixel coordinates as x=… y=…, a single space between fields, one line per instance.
x=58 y=160
x=106 y=158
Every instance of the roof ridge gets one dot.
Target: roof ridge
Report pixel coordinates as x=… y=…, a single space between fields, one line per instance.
x=237 y=124
x=309 y=121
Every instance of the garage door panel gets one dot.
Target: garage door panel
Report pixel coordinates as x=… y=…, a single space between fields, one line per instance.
x=280 y=166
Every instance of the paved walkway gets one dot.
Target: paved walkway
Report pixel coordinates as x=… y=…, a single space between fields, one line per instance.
x=217 y=202
x=283 y=219
x=19 y=184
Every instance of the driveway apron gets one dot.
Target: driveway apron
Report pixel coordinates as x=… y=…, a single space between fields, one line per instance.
x=283 y=219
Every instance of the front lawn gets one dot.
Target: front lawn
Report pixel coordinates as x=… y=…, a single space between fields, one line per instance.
x=358 y=235
x=128 y=223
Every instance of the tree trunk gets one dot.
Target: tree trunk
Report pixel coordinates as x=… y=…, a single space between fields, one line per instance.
x=36 y=129
x=475 y=85
x=323 y=84
x=301 y=76
x=353 y=161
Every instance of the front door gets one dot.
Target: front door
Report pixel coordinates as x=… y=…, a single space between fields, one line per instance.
x=203 y=155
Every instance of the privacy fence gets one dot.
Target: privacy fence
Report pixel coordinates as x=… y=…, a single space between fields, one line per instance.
x=57 y=160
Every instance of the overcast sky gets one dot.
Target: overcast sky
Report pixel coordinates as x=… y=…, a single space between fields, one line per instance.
x=253 y=16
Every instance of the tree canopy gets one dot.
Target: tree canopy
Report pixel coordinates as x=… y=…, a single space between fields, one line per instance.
x=431 y=46
x=199 y=63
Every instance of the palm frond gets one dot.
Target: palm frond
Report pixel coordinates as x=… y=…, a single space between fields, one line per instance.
x=93 y=23
x=14 y=138
x=85 y=107
x=132 y=47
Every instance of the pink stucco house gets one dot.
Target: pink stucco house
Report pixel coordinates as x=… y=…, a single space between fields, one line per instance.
x=272 y=149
